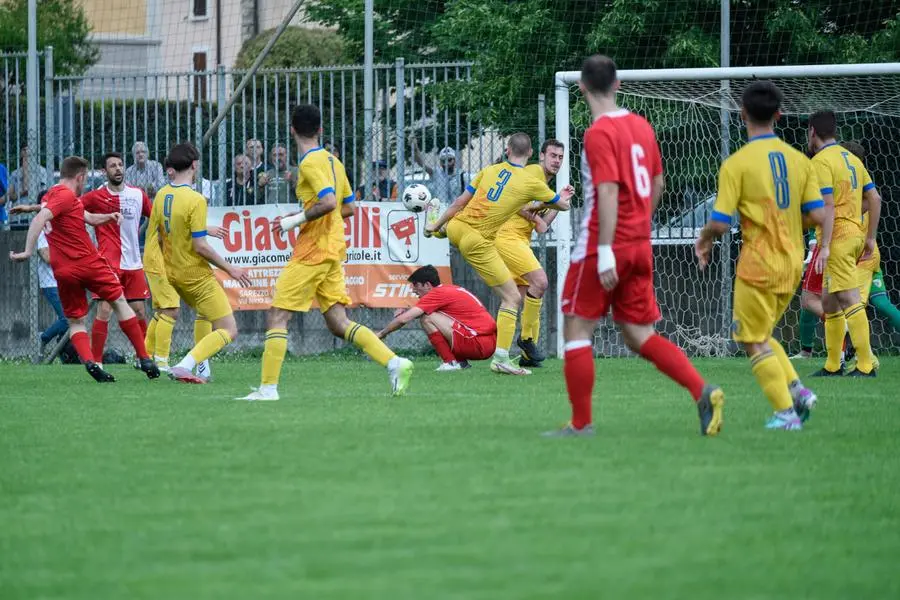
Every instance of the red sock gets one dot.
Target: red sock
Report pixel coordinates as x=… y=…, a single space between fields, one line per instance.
x=143 y=325
x=672 y=361
x=99 y=332
x=131 y=329
x=579 y=372
x=440 y=344
x=82 y=346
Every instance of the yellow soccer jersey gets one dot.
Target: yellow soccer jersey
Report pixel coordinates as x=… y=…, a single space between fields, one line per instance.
x=499 y=191
x=179 y=216
x=519 y=227
x=771 y=185
x=153 y=259
x=321 y=240
x=843 y=175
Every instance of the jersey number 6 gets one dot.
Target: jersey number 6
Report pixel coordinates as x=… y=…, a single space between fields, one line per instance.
x=641 y=174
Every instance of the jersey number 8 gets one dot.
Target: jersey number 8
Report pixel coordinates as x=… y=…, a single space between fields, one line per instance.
x=780 y=179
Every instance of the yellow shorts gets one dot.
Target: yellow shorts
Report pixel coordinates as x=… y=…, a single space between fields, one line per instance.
x=480 y=253
x=205 y=296
x=865 y=285
x=162 y=294
x=299 y=284
x=756 y=312
x=841 y=272
x=518 y=257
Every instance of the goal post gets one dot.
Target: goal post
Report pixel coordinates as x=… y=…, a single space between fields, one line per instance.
x=696 y=113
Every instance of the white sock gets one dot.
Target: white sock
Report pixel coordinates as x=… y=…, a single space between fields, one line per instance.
x=394 y=363
x=187 y=362
x=161 y=359
x=501 y=354
x=205 y=367
x=268 y=388
x=795 y=386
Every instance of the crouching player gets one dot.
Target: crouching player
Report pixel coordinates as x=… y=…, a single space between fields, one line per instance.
x=456 y=322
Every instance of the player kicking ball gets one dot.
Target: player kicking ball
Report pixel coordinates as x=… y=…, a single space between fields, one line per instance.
x=497 y=193
x=456 y=322
x=612 y=263
x=178 y=221
x=775 y=190
x=79 y=267
x=316 y=269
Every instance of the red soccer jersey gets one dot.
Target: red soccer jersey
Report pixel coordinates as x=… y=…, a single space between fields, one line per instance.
x=68 y=239
x=460 y=305
x=119 y=243
x=620 y=147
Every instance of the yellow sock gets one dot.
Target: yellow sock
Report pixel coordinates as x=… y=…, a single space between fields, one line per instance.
x=209 y=345
x=835 y=326
x=786 y=366
x=506 y=328
x=531 y=315
x=273 y=356
x=858 y=325
x=771 y=378
x=164 y=327
x=202 y=328
x=365 y=339
x=150 y=338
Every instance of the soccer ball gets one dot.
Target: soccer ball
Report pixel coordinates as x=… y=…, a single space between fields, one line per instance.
x=416 y=197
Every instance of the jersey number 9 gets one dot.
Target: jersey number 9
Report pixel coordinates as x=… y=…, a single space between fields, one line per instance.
x=167 y=210
x=780 y=178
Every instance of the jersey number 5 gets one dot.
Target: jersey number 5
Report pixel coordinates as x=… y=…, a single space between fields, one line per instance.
x=853 y=181
x=780 y=178
x=641 y=174
x=167 y=210
x=502 y=179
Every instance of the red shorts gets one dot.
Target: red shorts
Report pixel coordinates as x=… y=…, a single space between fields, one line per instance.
x=633 y=300
x=812 y=281
x=92 y=274
x=468 y=345
x=133 y=283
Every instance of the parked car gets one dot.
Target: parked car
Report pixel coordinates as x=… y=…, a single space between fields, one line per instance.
x=684 y=228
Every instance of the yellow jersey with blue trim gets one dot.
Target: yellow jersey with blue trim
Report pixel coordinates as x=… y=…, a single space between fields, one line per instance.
x=178 y=216
x=518 y=227
x=769 y=185
x=842 y=174
x=320 y=173
x=498 y=192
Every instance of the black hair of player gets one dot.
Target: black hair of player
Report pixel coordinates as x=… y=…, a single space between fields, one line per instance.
x=519 y=144
x=551 y=143
x=72 y=167
x=761 y=101
x=182 y=156
x=598 y=74
x=306 y=120
x=426 y=274
x=856 y=149
x=824 y=123
x=105 y=158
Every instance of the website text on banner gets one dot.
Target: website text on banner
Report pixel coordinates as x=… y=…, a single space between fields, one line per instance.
x=384 y=245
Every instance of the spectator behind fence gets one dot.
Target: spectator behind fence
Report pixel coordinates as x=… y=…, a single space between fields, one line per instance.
x=19 y=183
x=384 y=188
x=447 y=182
x=279 y=182
x=335 y=149
x=145 y=173
x=239 y=186
x=48 y=288
x=254 y=151
x=4 y=187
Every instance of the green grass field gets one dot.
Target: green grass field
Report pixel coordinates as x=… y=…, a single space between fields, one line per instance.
x=156 y=490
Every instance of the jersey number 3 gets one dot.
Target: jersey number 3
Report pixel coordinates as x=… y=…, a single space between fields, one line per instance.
x=502 y=179
x=780 y=179
x=167 y=210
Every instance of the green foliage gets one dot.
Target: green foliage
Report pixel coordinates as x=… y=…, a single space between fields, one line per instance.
x=62 y=24
x=297 y=47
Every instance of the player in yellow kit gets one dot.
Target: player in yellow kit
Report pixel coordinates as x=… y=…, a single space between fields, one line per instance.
x=774 y=188
x=497 y=193
x=316 y=269
x=844 y=240
x=178 y=221
x=514 y=245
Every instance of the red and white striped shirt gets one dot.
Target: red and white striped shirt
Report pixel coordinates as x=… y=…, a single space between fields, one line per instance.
x=119 y=243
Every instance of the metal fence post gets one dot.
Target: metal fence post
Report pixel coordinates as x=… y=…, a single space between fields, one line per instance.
x=400 y=102
x=33 y=137
x=221 y=98
x=49 y=104
x=542 y=239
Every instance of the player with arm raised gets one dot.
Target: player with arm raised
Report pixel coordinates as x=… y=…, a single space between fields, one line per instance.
x=178 y=219
x=844 y=239
x=774 y=188
x=612 y=263
x=458 y=326
x=79 y=267
x=514 y=246
x=316 y=271
x=497 y=193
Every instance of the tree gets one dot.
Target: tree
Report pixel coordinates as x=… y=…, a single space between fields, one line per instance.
x=297 y=47
x=62 y=24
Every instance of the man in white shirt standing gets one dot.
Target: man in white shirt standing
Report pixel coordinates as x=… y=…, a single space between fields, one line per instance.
x=447 y=181
x=145 y=174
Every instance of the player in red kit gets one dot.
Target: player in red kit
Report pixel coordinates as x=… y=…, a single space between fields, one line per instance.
x=457 y=324
x=79 y=267
x=612 y=263
x=119 y=245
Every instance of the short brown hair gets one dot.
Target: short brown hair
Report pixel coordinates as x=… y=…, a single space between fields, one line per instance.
x=761 y=100
x=182 y=156
x=552 y=142
x=72 y=167
x=107 y=156
x=519 y=144
x=856 y=149
x=824 y=123
x=598 y=74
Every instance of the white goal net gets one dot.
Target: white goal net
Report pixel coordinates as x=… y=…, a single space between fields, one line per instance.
x=696 y=115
